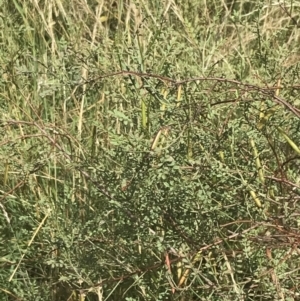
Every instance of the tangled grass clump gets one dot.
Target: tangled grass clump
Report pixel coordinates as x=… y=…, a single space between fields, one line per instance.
x=150 y=151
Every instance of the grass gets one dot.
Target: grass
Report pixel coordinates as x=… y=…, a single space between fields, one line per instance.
x=150 y=151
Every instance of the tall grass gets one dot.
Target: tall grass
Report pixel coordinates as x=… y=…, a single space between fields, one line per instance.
x=150 y=150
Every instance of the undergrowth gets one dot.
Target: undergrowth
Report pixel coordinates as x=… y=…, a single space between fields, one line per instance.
x=150 y=150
